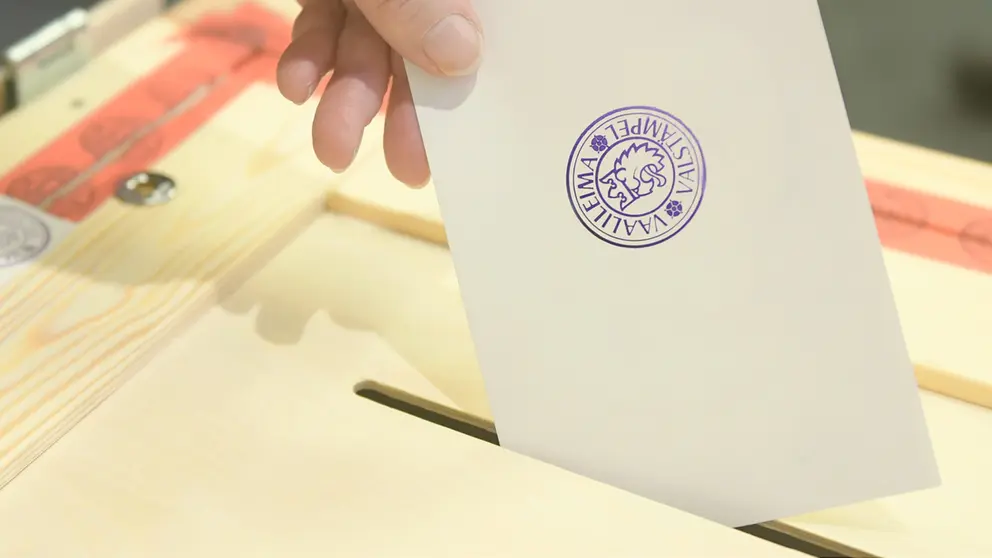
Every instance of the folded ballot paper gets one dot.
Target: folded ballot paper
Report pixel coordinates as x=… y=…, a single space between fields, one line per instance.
x=668 y=258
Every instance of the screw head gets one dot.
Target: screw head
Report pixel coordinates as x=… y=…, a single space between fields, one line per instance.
x=147 y=188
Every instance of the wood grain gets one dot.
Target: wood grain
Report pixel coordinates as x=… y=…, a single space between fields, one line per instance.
x=78 y=323
x=948 y=521
x=944 y=317
x=243 y=437
x=230 y=443
x=379 y=199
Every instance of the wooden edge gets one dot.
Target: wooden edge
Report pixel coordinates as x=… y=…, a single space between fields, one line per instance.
x=967 y=180
x=382 y=200
x=396 y=220
x=933 y=158
x=425 y=223
x=110 y=326
x=954 y=385
x=77 y=323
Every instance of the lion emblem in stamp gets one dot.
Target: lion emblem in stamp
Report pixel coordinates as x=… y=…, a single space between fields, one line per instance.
x=22 y=236
x=636 y=177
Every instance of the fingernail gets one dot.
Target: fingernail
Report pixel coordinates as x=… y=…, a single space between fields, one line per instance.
x=353 y=156
x=454 y=44
x=310 y=89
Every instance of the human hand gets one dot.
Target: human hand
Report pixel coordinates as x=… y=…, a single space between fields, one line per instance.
x=364 y=42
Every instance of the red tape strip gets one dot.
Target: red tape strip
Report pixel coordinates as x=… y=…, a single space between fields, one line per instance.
x=229 y=50
x=932 y=227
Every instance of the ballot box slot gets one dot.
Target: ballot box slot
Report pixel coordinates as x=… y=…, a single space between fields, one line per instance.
x=423 y=409
x=464 y=423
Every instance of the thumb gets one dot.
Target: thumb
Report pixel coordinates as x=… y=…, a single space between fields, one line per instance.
x=441 y=36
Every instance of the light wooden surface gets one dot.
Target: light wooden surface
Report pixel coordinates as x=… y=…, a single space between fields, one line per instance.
x=242 y=435
x=75 y=325
x=943 y=314
x=931 y=295
x=949 y=521
x=942 y=307
x=244 y=438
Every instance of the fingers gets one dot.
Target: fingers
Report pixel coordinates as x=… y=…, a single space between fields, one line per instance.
x=312 y=52
x=441 y=36
x=402 y=143
x=353 y=95
x=327 y=36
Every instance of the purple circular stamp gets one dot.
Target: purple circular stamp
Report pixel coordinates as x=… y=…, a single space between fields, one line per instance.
x=636 y=177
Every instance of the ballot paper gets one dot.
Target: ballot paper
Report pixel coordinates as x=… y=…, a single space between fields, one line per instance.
x=668 y=259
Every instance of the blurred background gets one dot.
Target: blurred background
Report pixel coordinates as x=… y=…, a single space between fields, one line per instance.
x=919 y=71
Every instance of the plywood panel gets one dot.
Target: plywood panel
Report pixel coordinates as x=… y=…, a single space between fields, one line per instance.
x=242 y=435
x=77 y=322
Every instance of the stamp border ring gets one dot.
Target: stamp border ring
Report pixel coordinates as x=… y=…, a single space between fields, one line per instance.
x=666 y=220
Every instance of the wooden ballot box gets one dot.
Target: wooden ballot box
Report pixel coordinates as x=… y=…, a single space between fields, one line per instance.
x=213 y=346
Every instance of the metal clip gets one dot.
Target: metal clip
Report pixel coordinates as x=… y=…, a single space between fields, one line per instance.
x=47 y=56
x=147 y=188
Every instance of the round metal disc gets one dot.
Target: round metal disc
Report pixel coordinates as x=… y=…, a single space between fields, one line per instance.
x=147 y=188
